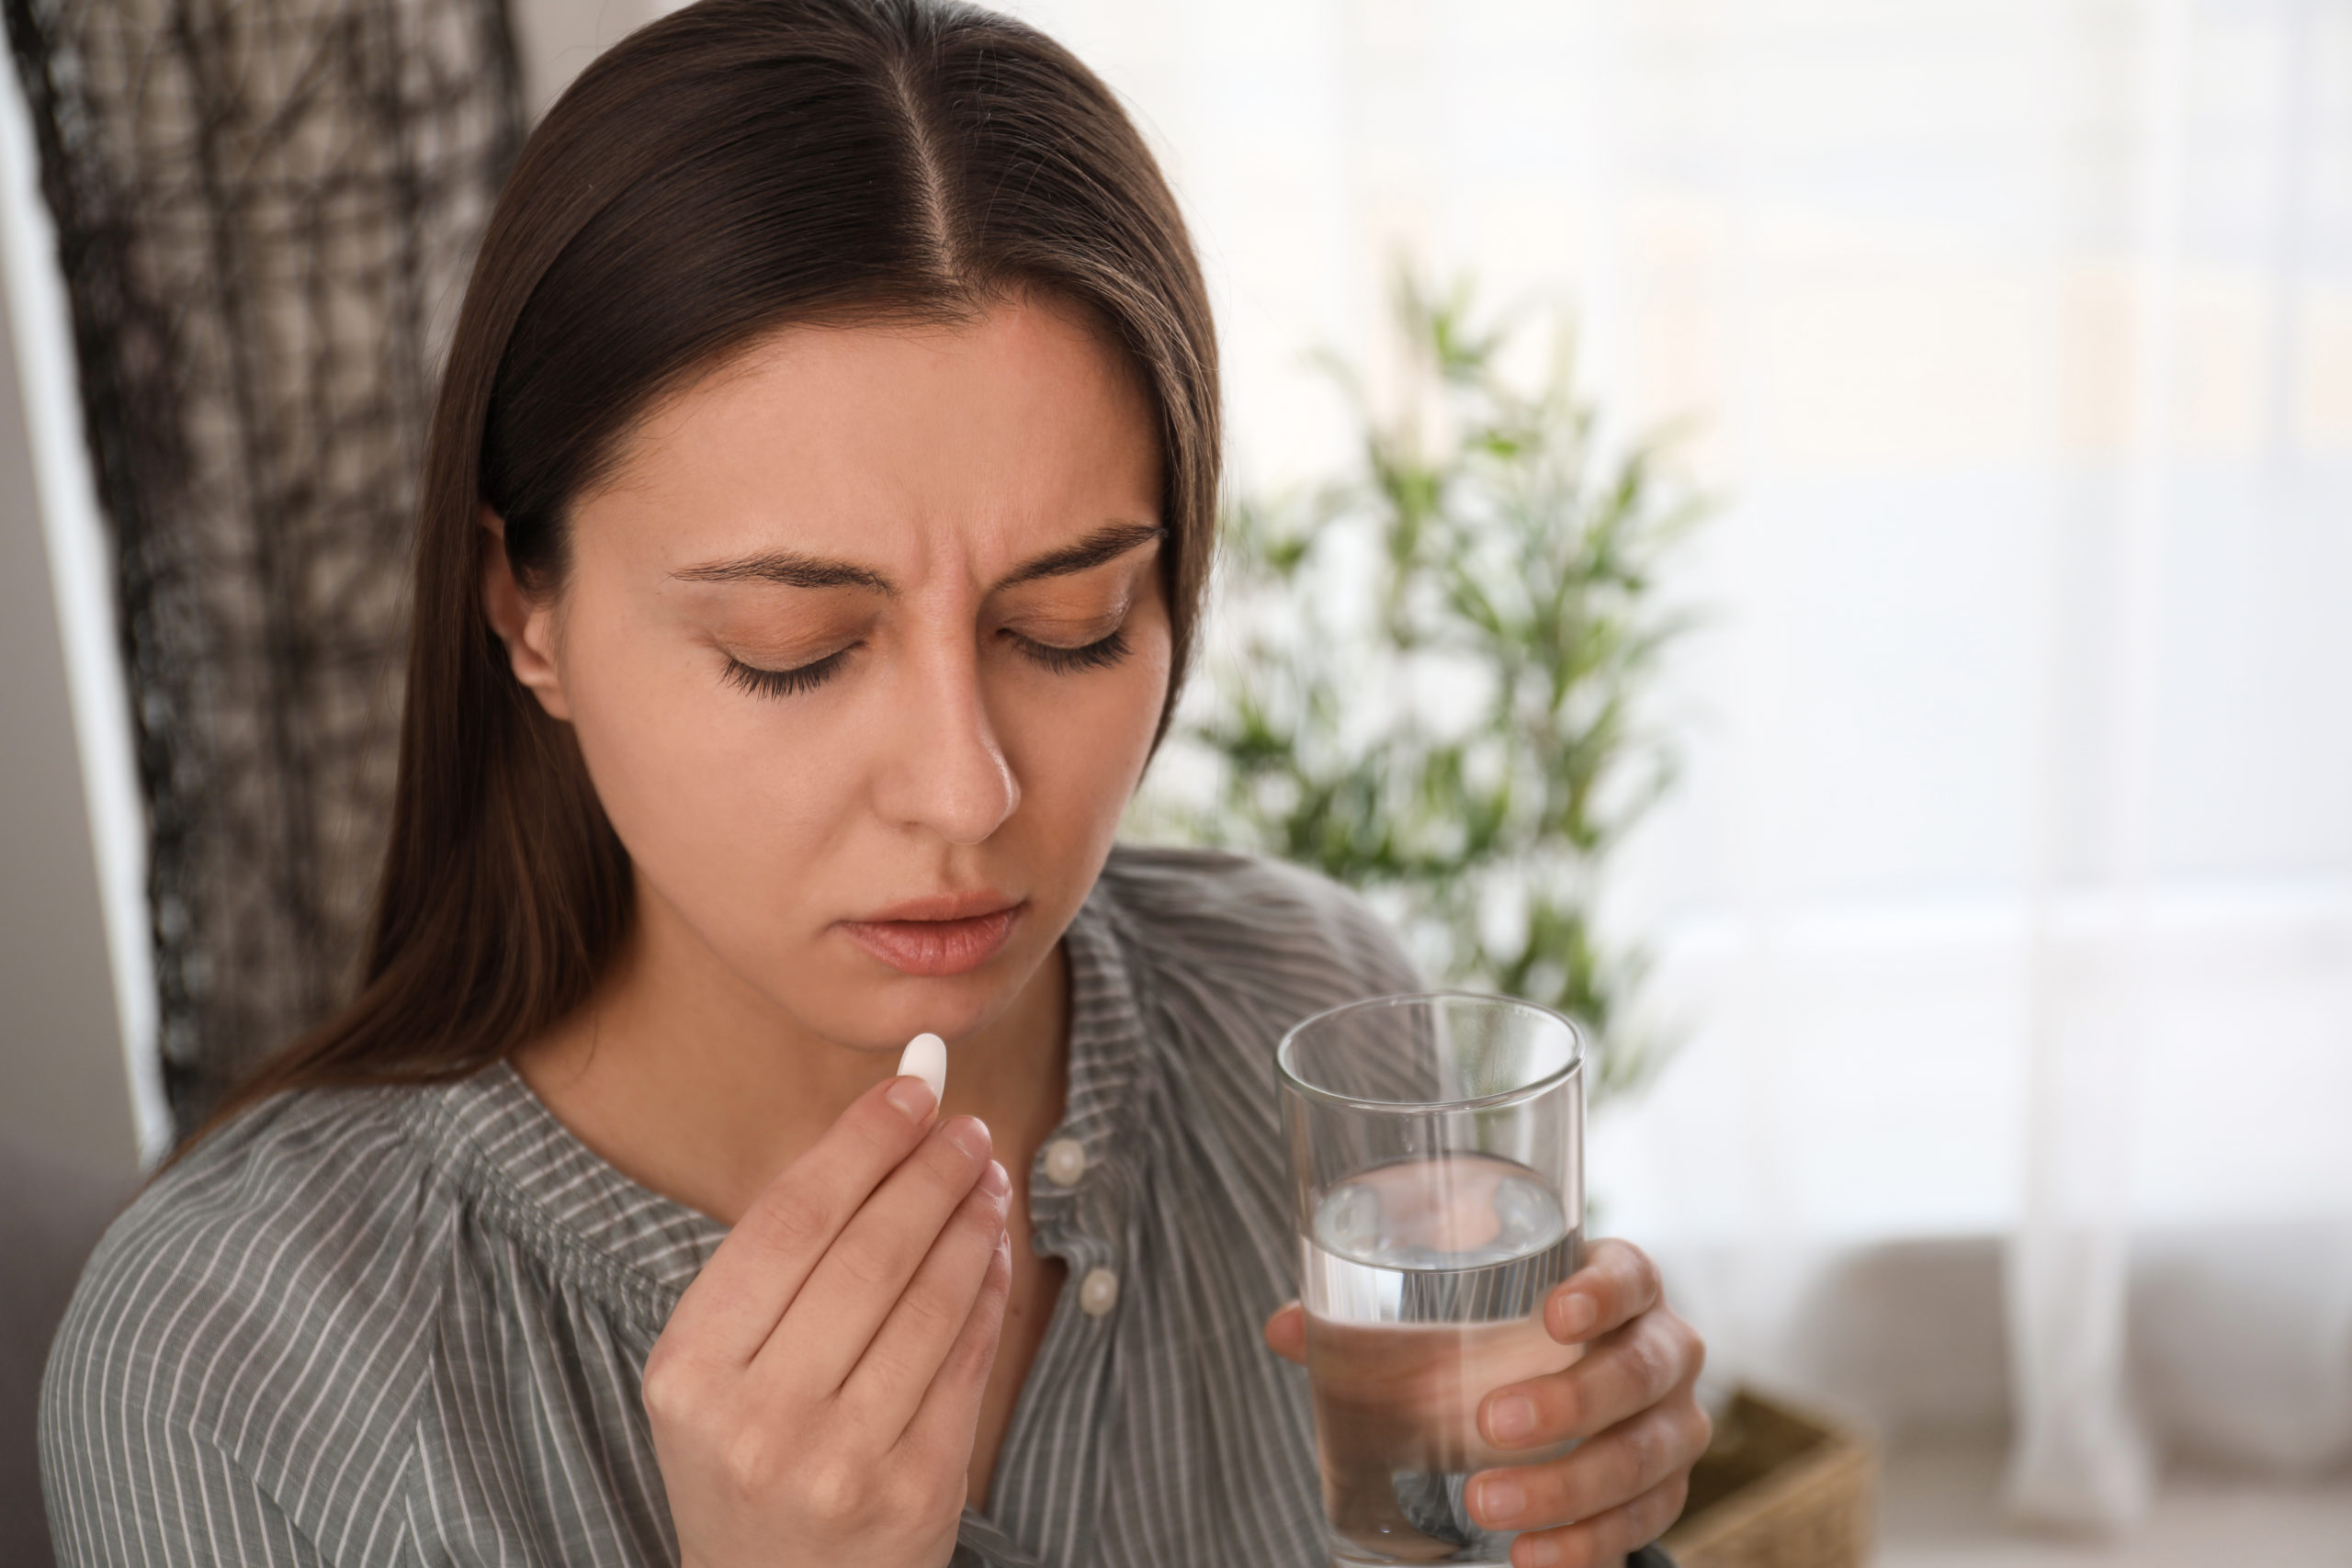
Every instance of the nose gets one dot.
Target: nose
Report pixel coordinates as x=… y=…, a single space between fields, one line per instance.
x=946 y=773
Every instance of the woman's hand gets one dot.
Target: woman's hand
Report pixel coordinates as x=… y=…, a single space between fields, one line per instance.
x=1629 y=1398
x=815 y=1394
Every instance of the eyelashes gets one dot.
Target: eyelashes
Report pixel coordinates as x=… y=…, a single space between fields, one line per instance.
x=787 y=682
x=1100 y=654
x=1097 y=655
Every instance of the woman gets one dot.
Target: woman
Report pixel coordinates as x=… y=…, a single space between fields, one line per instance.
x=814 y=525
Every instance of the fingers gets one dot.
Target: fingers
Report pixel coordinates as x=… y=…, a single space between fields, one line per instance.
x=1286 y=1332
x=1620 y=1374
x=860 y=1279
x=888 y=1382
x=950 y=1410
x=1616 y=1285
x=1624 y=1464
x=1607 y=1538
x=742 y=1293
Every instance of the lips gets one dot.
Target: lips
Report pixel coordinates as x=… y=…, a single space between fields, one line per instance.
x=944 y=934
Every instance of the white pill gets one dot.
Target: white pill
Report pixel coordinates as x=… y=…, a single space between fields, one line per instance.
x=926 y=1058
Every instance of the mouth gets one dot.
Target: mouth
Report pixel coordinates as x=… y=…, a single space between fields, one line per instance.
x=946 y=934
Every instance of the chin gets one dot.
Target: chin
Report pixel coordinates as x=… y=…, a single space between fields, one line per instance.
x=881 y=1011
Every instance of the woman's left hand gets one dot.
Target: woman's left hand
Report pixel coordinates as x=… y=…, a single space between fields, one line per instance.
x=1629 y=1398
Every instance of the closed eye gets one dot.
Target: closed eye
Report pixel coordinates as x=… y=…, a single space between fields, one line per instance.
x=1099 y=654
x=787 y=682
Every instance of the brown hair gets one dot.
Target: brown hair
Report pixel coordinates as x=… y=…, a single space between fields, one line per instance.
x=734 y=167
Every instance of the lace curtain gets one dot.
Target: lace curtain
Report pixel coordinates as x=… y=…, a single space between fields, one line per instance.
x=264 y=215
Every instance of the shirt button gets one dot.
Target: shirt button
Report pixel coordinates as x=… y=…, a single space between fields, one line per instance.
x=1065 y=1161
x=1099 y=1291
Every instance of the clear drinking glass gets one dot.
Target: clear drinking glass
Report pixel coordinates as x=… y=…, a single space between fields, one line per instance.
x=1437 y=1156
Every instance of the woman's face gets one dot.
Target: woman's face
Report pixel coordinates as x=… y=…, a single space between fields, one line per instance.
x=864 y=644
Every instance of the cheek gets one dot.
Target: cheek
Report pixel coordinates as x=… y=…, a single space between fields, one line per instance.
x=715 y=799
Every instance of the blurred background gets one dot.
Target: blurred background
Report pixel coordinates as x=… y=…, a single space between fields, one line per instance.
x=1999 y=912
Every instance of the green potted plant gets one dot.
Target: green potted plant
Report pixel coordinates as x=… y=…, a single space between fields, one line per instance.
x=1425 y=674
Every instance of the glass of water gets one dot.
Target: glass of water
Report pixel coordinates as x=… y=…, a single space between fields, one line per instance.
x=1437 y=1156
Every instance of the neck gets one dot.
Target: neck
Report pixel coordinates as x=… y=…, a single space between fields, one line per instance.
x=696 y=1085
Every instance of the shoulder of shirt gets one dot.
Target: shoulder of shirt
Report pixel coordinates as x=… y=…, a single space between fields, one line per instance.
x=1260 y=924
x=252 y=1287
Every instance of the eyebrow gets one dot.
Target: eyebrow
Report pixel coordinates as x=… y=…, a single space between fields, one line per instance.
x=791 y=569
x=1107 y=543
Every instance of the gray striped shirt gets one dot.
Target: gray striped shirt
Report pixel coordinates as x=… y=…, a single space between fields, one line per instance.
x=407 y=1326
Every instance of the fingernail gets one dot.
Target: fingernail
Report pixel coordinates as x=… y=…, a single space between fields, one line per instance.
x=1576 y=1312
x=912 y=1096
x=994 y=1181
x=1512 y=1418
x=1499 y=1501
x=1004 y=1243
x=1533 y=1552
x=971 y=1135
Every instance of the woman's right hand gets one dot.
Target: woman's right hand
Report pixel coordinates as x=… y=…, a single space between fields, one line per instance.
x=815 y=1392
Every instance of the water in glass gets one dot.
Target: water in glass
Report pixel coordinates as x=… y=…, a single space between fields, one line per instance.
x=1425 y=1281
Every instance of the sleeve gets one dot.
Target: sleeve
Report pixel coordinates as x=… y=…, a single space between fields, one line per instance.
x=134 y=1473
x=122 y=1494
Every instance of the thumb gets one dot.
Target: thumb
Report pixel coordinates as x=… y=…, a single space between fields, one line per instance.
x=1286 y=1332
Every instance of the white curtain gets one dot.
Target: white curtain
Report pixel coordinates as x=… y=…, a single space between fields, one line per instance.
x=2009 y=891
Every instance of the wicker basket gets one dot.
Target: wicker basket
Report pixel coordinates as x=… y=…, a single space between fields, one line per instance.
x=1778 y=1488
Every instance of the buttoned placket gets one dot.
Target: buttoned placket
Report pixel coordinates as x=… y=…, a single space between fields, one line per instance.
x=1081 y=1185
x=1077 y=1214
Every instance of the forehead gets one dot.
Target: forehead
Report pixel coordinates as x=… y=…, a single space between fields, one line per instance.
x=983 y=441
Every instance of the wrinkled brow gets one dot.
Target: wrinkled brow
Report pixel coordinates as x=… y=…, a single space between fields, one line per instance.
x=790 y=568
